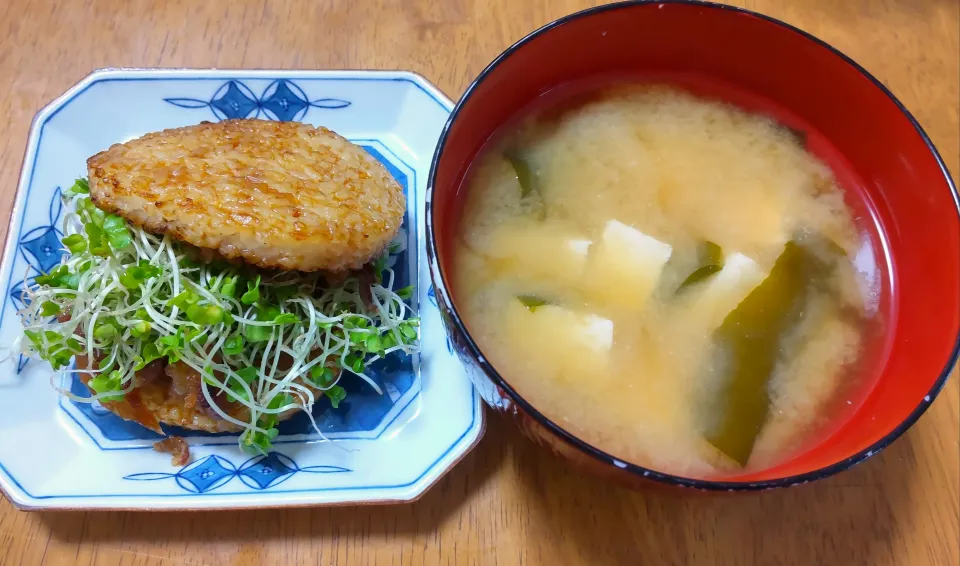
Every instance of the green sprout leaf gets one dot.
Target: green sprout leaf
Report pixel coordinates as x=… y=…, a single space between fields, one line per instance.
x=258 y=333
x=279 y=401
x=388 y=340
x=108 y=383
x=229 y=286
x=336 y=394
x=106 y=329
x=97 y=241
x=136 y=275
x=322 y=376
x=253 y=292
x=379 y=265
x=233 y=345
x=408 y=331
x=255 y=442
x=173 y=345
x=75 y=243
x=59 y=276
x=115 y=229
x=73 y=345
x=184 y=300
x=286 y=318
x=405 y=292
x=149 y=353
x=140 y=329
x=247 y=374
x=205 y=314
x=80 y=187
x=355 y=363
x=49 y=308
x=373 y=344
x=236 y=392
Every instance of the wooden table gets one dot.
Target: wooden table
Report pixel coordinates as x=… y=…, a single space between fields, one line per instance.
x=507 y=502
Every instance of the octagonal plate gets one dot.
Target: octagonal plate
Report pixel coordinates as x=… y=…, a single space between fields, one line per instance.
x=57 y=453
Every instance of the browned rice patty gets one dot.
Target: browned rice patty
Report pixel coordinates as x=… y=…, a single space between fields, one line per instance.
x=281 y=195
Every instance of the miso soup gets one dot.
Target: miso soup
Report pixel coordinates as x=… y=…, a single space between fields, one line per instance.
x=669 y=278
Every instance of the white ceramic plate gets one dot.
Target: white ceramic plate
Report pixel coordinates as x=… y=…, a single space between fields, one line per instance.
x=55 y=453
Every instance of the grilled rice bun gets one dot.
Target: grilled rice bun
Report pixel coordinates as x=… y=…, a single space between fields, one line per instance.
x=279 y=195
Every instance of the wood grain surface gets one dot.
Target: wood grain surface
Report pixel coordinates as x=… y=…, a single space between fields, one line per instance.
x=507 y=502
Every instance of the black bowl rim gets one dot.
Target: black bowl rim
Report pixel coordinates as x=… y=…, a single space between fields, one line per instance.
x=589 y=449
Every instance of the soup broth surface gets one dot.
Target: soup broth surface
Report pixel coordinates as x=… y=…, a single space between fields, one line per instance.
x=667 y=277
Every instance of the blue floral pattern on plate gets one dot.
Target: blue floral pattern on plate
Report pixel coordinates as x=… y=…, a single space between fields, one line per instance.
x=281 y=100
x=42 y=249
x=259 y=472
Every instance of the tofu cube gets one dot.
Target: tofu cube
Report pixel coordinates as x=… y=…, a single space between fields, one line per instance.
x=624 y=268
x=565 y=342
x=542 y=251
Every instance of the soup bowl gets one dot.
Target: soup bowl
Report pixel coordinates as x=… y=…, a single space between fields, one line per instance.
x=880 y=155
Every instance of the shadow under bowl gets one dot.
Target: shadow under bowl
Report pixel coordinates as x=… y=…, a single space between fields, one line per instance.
x=887 y=166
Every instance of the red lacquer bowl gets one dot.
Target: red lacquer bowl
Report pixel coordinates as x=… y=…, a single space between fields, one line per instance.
x=892 y=176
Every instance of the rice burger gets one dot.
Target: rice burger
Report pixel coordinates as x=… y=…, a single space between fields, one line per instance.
x=223 y=276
